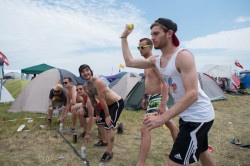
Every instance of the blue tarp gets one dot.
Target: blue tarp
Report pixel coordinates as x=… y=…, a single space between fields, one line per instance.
x=246 y=81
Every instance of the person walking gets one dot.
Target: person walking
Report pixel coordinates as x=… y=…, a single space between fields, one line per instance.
x=192 y=105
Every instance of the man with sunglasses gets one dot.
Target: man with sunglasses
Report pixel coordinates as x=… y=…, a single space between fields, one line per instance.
x=152 y=100
x=57 y=100
x=191 y=103
x=71 y=101
x=83 y=109
x=112 y=105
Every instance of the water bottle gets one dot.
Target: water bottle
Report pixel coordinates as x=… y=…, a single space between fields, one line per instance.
x=83 y=152
x=60 y=126
x=56 y=112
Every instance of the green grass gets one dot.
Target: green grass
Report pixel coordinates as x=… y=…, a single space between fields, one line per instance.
x=36 y=146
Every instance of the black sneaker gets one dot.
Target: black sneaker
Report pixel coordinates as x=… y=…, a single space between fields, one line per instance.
x=106 y=157
x=71 y=130
x=49 y=122
x=100 y=143
x=82 y=135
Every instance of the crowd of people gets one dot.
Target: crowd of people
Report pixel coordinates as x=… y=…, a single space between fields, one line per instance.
x=172 y=72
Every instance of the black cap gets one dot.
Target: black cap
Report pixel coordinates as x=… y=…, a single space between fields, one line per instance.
x=169 y=24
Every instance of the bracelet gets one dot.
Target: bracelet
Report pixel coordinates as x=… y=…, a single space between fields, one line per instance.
x=107 y=115
x=123 y=37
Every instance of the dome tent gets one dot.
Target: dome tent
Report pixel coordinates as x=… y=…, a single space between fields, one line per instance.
x=34 y=98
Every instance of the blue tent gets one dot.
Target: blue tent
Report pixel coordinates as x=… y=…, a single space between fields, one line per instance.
x=116 y=76
x=246 y=81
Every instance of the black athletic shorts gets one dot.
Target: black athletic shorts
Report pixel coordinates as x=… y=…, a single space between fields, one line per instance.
x=191 y=141
x=115 y=110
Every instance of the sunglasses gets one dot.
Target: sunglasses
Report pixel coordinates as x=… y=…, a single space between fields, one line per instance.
x=78 y=89
x=56 y=91
x=142 y=47
x=65 y=82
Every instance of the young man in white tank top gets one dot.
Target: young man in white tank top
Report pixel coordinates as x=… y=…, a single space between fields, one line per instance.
x=191 y=103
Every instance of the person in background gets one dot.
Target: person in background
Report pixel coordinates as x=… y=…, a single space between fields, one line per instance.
x=71 y=101
x=153 y=99
x=83 y=109
x=57 y=100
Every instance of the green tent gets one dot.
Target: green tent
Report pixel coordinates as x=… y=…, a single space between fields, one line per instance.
x=15 y=86
x=37 y=69
x=135 y=96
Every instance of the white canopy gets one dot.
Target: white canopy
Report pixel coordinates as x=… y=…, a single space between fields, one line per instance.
x=217 y=70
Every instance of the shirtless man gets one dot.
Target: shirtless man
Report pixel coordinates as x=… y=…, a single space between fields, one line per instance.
x=111 y=102
x=83 y=109
x=71 y=100
x=152 y=100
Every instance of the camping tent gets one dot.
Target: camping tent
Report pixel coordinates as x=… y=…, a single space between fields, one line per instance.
x=125 y=84
x=5 y=96
x=34 y=97
x=134 y=98
x=15 y=86
x=210 y=87
x=235 y=83
x=246 y=81
x=105 y=80
x=244 y=72
x=12 y=75
x=116 y=76
x=217 y=71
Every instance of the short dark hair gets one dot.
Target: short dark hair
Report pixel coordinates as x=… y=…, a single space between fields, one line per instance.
x=148 y=41
x=69 y=78
x=84 y=66
x=79 y=84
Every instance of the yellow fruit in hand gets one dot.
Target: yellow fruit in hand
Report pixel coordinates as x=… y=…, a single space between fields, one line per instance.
x=130 y=26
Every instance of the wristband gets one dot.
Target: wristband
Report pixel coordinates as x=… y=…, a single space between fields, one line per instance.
x=145 y=96
x=123 y=37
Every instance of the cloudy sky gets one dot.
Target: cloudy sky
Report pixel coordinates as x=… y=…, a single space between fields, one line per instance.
x=68 y=33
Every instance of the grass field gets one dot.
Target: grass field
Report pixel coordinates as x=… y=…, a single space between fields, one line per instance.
x=36 y=146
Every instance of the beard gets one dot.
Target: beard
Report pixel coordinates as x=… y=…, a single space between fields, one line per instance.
x=86 y=76
x=158 y=46
x=162 y=42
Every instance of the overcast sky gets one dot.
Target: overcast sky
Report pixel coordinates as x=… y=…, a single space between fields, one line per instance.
x=66 y=34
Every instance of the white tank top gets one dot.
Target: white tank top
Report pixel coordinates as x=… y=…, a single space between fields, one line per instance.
x=201 y=110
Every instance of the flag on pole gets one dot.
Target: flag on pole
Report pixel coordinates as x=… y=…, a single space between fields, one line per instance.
x=121 y=66
x=238 y=64
x=4 y=59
